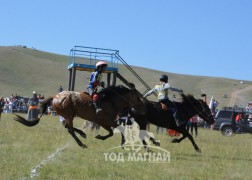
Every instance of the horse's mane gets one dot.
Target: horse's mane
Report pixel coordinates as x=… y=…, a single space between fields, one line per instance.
x=111 y=91
x=189 y=98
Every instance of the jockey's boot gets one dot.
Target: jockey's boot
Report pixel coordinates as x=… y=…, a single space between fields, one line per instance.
x=177 y=118
x=178 y=122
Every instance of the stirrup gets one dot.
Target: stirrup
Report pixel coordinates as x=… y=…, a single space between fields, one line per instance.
x=98 y=110
x=178 y=122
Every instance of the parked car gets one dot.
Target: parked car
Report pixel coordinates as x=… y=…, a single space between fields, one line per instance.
x=225 y=121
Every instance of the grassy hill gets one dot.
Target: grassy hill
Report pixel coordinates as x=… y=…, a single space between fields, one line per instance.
x=23 y=70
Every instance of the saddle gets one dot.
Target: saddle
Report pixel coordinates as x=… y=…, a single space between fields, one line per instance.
x=94 y=97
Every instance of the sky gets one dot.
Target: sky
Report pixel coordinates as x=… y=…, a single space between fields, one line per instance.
x=193 y=37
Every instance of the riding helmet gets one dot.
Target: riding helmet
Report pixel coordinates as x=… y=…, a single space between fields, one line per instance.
x=164 y=78
x=101 y=63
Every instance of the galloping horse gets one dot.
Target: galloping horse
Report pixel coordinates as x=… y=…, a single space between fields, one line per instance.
x=70 y=104
x=163 y=118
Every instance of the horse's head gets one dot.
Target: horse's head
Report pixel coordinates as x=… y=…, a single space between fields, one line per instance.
x=206 y=113
x=136 y=104
x=200 y=107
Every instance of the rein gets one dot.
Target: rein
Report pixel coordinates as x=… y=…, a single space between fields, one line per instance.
x=200 y=112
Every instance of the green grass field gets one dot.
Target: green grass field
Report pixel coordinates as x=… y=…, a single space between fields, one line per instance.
x=48 y=150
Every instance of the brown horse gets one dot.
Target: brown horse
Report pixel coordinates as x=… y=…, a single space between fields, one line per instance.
x=70 y=104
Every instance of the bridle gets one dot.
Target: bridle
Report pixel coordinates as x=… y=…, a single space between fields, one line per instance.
x=201 y=111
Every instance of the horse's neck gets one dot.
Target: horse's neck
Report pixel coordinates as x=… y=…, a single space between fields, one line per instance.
x=188 y=111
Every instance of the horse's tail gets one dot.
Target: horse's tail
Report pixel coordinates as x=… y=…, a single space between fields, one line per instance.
x=43 y=108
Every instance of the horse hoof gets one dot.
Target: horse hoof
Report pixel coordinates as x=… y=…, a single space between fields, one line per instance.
x=83 y=146
x=198 y=150
x=174 y=141
x=84 y=136
x=98 y=136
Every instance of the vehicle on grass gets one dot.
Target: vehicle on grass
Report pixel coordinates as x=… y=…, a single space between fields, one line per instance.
x=225 y=121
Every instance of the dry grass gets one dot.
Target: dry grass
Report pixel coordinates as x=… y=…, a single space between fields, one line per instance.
x=22 y=148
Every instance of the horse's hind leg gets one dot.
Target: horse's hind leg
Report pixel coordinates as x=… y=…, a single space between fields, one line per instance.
x=82 y=134
x=143 y=128
x=106 y=136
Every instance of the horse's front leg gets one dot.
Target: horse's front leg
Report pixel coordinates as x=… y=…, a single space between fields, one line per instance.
x=71 y=129
x=180 y=130
x=185 y=134
x=82 y=134
x=178 y=140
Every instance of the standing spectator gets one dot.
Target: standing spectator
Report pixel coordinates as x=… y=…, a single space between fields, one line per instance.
x=60 y=89
x=6 y=106
x=161 y=129
x=188 y=125
x=42 y=97
x=194 y=124
x=62 y=119
x=33 y=107
x=10 y=106
x=1 y=106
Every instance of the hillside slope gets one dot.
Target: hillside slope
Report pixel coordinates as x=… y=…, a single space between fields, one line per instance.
x=23 y=70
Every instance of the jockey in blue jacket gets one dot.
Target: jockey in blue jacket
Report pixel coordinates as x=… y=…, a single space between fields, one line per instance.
x=95 y=80
x=162 y=89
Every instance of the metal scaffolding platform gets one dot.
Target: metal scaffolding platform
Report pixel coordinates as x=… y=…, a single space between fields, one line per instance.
x=84 y=59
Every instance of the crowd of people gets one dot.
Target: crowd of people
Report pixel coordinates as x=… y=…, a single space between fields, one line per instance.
x=16 y=103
